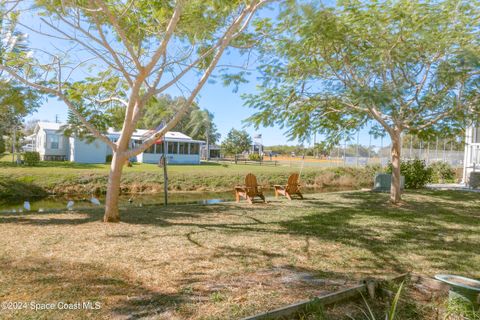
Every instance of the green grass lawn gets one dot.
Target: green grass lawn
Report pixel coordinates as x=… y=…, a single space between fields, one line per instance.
x=67 y=177
x=230 y=260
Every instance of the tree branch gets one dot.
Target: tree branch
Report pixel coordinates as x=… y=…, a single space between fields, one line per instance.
x=121 y=33
x=69 y=104
x=233 y=30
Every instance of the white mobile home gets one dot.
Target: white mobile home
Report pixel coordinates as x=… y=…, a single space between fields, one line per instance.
x=177 y=147
x=82 y=151
x=52 y=144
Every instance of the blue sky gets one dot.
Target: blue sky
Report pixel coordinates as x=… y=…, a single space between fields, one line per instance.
x=226 y=105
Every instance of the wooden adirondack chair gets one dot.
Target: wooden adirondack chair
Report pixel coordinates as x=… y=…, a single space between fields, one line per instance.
x=292 y=187
x=250 y=190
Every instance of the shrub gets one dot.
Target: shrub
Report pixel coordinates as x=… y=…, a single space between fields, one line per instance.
x=2 y=145
x=416 y=173
x=31 y=158
x=254 y=157
x=108 y=158
x=442 y=172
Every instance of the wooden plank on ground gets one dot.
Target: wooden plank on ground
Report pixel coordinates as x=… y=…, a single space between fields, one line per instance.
x=350 y=293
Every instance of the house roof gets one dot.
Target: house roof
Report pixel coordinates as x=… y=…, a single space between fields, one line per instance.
x=169 y=136
x=137 y=134
x=49 y=125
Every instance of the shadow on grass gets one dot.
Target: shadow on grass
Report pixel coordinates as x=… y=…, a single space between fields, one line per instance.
x=53 y=281
x=430 y=222
x=11 y=188
x=55 y=164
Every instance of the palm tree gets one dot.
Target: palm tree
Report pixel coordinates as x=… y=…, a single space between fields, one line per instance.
x=201 y=123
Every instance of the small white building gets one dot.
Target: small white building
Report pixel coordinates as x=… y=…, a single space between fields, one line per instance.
x=50 y=142
x=52 y=145
x=471 y=160
x=177 y=147
x=214 y=151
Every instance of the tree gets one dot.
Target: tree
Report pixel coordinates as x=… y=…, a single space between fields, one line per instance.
x=406 y=65
x=2 y=145
x=132 y=51
x=237 y=141
x=16 y=100
x=194 y=123
x=201 y=126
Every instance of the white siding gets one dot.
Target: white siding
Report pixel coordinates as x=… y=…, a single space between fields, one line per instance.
x=83 y=152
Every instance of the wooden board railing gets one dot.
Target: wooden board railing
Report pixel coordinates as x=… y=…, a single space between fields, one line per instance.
x=368 y=287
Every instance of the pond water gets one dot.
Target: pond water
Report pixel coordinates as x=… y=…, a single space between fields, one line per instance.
x=131 y=200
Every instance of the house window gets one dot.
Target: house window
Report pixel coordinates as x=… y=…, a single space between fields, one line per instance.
x=183 y=148
x=54 y=141
x=172 y=147
x=159 y=148
x=194 y=148
x=150 y=149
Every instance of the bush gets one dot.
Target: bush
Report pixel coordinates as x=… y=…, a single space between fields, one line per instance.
x=108 y=158
x=2 y=145
x=254 y=157
x=31 y=158
x=416 y=173
x=442 y=172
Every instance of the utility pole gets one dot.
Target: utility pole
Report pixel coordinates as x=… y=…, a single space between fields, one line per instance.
x=163 y=163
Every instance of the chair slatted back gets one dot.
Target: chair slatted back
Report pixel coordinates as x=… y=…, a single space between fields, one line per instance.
x=292 y=184
x=251 y=184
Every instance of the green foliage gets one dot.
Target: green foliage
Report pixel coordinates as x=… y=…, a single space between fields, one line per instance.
x=108 y=158
x=200 y=126
x=330 y=70
x=134 y=31
x=237 y=141
x=2 y=145
x=254 y=157
x=391 y=313
x=461 y=309
x=416 y=173
x=196 y=122
x=442 y=172
x=31 y=158
x=286 y=149
x=16 y=100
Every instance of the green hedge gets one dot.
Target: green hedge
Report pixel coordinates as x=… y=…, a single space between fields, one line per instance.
x=416 y=173
x=31 y=158
x=442 y=172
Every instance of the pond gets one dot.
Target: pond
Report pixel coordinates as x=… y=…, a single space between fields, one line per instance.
x=132 y=200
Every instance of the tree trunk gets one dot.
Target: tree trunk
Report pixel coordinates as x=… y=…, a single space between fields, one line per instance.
x=113 y=189
x=395 y=190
